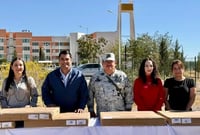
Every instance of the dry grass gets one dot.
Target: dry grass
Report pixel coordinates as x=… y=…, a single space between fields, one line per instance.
x=196 y=105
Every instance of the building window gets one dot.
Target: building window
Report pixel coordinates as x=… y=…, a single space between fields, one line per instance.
x=35 y=50
x=48 y=50
x=35 y=44
x=61 y=44
x=48 y=57
x=1 y=56
x=1 y=48
x=46 y=44
x=1 y=40
x=25 y=40
x=27 y=57
x=26 y=48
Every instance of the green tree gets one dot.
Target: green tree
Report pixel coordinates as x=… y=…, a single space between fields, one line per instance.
x=90 y=49
x=177 y=53
x=3 y=60
x=15 y=54
x=182 y=55
x=164 y=55
x=41 y=54
x=198 y=64
x=158 y=47
x=165 y=43
x=143 y=47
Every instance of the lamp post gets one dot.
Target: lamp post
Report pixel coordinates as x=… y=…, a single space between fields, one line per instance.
x=119 y=37
x=84 y=28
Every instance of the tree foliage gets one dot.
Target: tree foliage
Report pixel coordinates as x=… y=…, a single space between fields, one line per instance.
x=177 y=53
x=15 y=54
x=90 y=49
x=164 y=55
x=159 y=47
x=41 y=54
x=198 y=63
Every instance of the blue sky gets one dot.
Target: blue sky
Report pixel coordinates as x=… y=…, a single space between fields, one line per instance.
x=180 y=18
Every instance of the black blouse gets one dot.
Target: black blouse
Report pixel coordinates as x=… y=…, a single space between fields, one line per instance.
x=179 y=92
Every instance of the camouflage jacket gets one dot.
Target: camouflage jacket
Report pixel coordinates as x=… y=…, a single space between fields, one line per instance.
x=106 y=95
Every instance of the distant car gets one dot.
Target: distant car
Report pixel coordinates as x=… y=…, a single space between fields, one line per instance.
x=89 y=69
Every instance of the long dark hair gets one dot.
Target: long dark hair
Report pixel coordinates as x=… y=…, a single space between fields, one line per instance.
x=10 y=78
x=154 y=73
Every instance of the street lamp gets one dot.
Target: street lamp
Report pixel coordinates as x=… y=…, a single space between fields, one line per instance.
x=84 y=28
x=110 y=11
x=119 y=37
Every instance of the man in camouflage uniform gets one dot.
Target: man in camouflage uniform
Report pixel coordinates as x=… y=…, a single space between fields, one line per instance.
x=110 y=88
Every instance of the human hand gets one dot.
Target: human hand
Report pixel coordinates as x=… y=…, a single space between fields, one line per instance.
x=27 y=106
x=79 y=111
x=93 y=114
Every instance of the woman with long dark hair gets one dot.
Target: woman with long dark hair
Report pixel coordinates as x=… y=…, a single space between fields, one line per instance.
x=147 y=88
x=18 y=90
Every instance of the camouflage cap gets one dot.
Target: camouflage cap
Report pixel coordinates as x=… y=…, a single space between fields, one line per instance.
x=109 y=56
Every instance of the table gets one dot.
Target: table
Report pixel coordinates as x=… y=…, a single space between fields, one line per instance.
x=105 y=130
x=95 y=128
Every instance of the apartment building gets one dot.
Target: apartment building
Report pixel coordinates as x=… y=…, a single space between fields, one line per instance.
x=29 y=47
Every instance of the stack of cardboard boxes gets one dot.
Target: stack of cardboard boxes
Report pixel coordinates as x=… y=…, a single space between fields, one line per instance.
x=62 y=119
x=183 y=118
x=51 y=117
x=136 y=118
x=150 y=118
x=40 y=117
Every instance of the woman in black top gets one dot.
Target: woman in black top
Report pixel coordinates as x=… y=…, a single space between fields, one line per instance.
x=180 y=91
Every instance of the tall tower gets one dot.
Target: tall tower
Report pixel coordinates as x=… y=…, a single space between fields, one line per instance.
x=125 y=8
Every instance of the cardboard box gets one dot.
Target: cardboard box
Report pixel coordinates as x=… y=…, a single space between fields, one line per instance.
x=40 y=123
x=7 y=125
x=32 y=113
x=136 y=118
x=60 y=120
x=184 y=118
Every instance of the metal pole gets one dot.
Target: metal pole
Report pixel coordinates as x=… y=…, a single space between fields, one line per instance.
x=125 y=57
x=195 y=69
x=84 y=28
x=119 y=36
